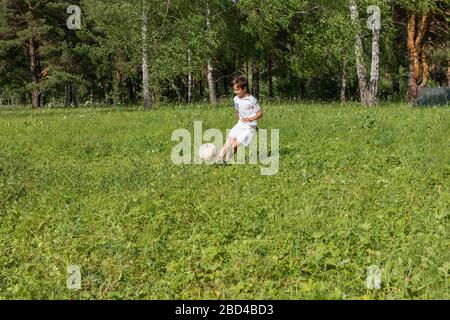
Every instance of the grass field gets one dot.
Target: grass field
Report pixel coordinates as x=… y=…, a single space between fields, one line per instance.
x=96 y=188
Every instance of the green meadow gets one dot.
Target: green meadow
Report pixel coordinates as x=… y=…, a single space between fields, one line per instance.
x=97 y=188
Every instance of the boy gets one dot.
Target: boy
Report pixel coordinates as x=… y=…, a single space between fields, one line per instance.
x=248 y=112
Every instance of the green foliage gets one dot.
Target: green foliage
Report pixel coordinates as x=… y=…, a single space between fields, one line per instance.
x=303 y=47
x=96 y=188
x=419 y=6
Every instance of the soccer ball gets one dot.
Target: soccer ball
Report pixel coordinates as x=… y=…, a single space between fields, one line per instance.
x=207 y=152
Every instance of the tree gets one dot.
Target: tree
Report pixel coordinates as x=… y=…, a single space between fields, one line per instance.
x=264 y=25
x=417 y=49
x=426 y=29
x=145 y=74
x=368 y=91
x=34 y=26
x=129 y=30
x=185 y=51
x=210 y=68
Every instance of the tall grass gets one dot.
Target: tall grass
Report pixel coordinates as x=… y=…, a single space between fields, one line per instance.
x=96 y=188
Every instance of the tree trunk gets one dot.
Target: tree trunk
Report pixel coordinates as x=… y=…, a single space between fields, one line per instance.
x=189 y=88
x=368 y=92
x=413 y=88
x=210 y=68
x=71 y=96
x=359 y=54
x=246 y=69
x=67 y=96
x=416 y=49
x=145 y=72
x=425 y=66
x=255 y=79
x=375 y=69
x=225 y=86
x=131 y=90
x=36 y=99
x=270 y=75
x=118 y=99
x=344 y=82
x=237 y=61
x=211 y=83
x=396 y=79
x=74 y=96
x=414 y=71
x=395 y=65
x=35 y=73
x=202 y=88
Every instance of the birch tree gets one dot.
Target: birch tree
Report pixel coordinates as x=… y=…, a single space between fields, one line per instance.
x=368 y=91
x=210 y=68
x=130 y=28
x=145 y=72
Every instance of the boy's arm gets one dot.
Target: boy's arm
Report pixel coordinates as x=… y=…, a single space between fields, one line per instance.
x=258 y=116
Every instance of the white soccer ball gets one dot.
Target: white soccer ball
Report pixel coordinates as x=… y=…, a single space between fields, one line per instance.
x=207 y=152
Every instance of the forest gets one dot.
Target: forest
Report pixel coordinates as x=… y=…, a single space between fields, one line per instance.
x=148 y=52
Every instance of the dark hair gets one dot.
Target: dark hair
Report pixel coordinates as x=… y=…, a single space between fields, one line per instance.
x=241 y=82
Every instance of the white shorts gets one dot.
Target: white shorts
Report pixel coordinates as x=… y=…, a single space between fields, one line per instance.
x=243 y=133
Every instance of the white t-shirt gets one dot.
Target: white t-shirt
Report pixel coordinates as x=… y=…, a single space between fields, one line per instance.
x=247 y=107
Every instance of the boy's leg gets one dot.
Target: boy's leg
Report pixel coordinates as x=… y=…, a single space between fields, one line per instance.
x=227 y=145
x=231 y=151
x=231 y=145
x=236 y=145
